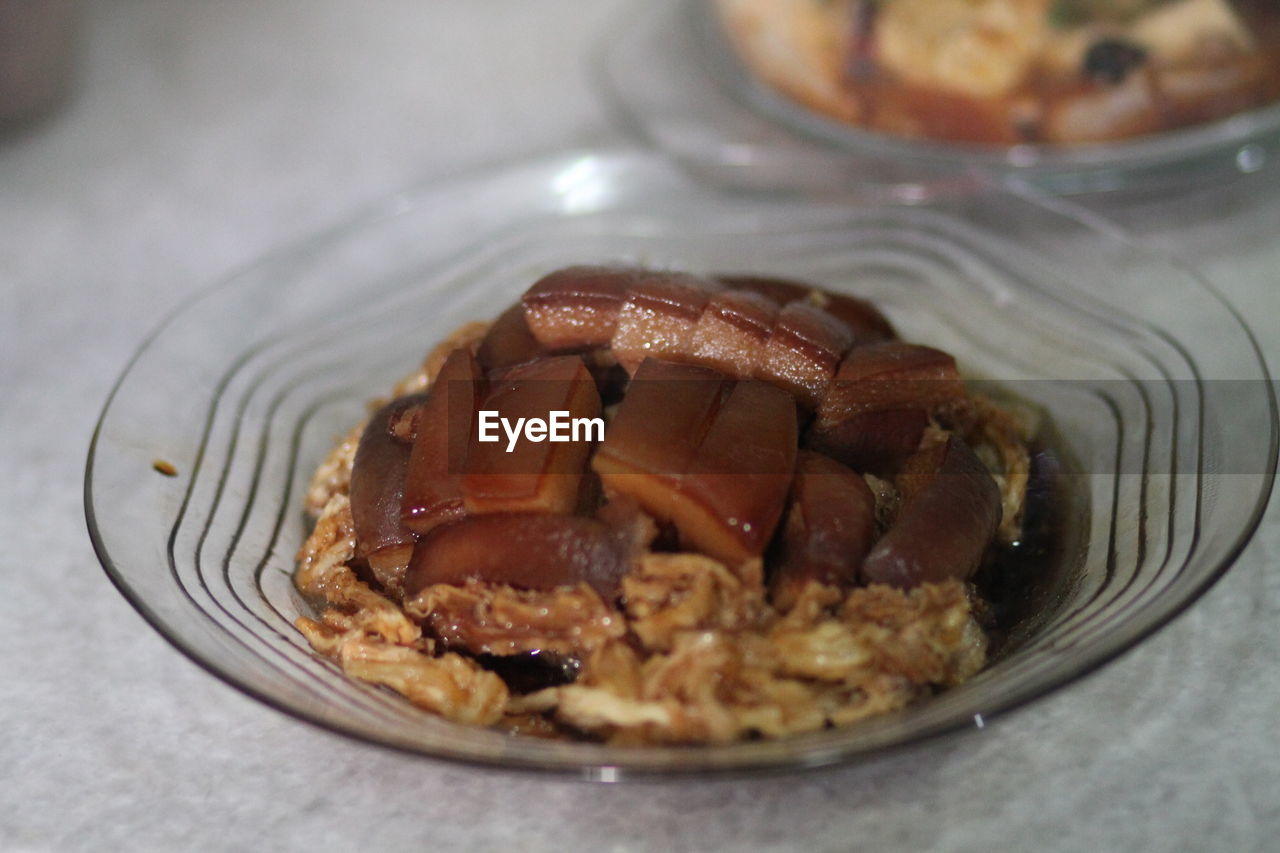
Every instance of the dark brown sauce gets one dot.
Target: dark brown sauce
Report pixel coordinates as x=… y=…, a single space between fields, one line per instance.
x=530 y=671
x=1025 y=584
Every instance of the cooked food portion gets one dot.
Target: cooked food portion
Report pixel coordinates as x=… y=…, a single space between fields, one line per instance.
x=377 y=490
x=949 y=515
x=577 y=308
x=654 y=507
x=863 y=319
x=530 y=476
x=509 y=341
x=723 y=485
x=829 y=528
x=734 y=331
x=433 y=491
x=658 y=318
x=527 y=550
x=1010 y=71
x=876 y=410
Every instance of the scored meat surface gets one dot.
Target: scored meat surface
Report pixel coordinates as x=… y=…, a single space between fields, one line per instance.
x=773 y=530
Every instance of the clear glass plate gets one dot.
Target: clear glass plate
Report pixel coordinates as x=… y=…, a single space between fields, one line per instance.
x=674 y=81
x=1163 y=405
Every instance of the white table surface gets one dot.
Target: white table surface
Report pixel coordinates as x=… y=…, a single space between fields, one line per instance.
x=203 y=134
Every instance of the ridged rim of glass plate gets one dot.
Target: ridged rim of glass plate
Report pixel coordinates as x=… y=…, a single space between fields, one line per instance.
x=231 y=521
x=687 y=33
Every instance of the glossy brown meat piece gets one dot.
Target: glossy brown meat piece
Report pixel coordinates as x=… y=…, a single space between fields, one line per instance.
x=509 y=341
x=659 y=318
x=446 y=420
x=523 y=550
x=871 y=442
x=876 y=409
x=733 y=331
x=377 y=487
x=535 y=476
x=656 y=432
x=948 y=518
x=803 y=352
x=891 y=375
x=728 y=503
x=862 y=318
x=779 y=291
x=576 y=308
x=829 y=528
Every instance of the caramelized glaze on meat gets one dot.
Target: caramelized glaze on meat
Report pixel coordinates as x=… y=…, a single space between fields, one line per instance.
x=773 y=537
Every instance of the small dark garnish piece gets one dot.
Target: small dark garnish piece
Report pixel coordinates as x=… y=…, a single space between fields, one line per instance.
x=532 y=671
x=1110 y=60
x=611 y=378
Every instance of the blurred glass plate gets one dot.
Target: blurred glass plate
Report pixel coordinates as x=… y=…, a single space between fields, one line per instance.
x=1162 y=403
x=673 y=79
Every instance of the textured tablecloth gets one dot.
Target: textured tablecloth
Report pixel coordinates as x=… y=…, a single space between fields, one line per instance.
x=202 y=134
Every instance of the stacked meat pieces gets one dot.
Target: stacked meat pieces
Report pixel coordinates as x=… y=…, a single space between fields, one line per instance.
x=774 y=534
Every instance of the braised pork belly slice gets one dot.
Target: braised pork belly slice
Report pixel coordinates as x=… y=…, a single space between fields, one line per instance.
x=576 y=308
x=730 y=499
x=522 y=550
x=659 y=318
x=531 y=475
x=377 y=489
x=717 y=469
x=446 y=419
x=509 y=341
x=863 y=319
x=733 y=331
x=829 y=527
x=875 y=411
x=657 y=429
x=803 y=352
x=949 y=515
x=873 y=442
x=779 y=291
